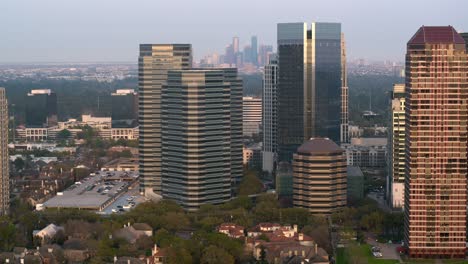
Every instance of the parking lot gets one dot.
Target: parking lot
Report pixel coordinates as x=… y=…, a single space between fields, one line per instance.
x=123 y=202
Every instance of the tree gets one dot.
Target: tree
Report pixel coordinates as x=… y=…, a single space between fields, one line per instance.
x=373 y=222
x=299 y=216
x=105 y=252
x=144 y=242
x=250 y=184
x=320 y=234
x=19 y=164
x=7 y=235
x=174 y=221
x=209 y=223
x=126 y=154
x=262 y=259
x=267 y=209
x=178 y=255
x=63 y=134
x=215 y=255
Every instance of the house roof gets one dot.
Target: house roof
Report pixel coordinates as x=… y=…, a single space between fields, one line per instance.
x=439 y=34
x=50 y=230
x=142 y=227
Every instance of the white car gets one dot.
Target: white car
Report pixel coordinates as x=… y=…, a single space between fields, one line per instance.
x=114 y=210
x=377 y=254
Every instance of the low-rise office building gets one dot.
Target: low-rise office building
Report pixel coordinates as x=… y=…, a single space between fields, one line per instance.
x=366 y=152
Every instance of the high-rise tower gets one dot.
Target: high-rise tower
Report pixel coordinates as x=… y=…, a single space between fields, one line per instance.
x=124 y=108
x=254 y=50
x=310 y=84
x=396 y=145
x=4 y=158
x=251 y=115
x=344 y=134
x=436 y=111
x=154 y=62
x=198 y=137
x=235 y=45
x=465 y=37
x=41 y=108
x=269 y=115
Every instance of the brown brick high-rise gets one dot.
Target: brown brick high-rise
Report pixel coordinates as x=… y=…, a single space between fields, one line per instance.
x=436 y=144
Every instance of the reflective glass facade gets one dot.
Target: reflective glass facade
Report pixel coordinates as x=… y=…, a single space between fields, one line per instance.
x=269 y=115
x=41 y=108
x=310 y=84
x=124 y=109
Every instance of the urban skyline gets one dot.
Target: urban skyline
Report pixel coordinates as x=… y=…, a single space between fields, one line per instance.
x=70 y=27
x=285 y=151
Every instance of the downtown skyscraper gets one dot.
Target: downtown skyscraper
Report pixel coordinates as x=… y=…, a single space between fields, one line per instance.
x=436 y=111
x=154 y=61
x=4 y=158
x=310 y=84
x=254 y=50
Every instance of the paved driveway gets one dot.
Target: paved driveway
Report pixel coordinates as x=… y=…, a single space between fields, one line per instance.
x=389 y=251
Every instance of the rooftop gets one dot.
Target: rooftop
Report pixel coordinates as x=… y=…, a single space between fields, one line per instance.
x=40 y=91
x=319 y=145
x=367 y=142
x=94 y=193
x=124 y=92
x=354 y=171
x=439 y=34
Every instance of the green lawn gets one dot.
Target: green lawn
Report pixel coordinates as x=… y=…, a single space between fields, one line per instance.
x=428 y=261
x=363 y=251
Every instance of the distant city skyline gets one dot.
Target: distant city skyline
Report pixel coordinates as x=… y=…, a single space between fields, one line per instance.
x=111 y=31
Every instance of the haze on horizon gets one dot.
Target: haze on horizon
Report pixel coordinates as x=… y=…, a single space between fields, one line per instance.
x=111 y=30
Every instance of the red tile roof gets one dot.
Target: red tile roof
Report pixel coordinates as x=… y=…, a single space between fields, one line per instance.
x=444 y=34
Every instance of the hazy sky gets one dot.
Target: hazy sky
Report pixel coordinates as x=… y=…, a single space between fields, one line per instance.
x=110 y=30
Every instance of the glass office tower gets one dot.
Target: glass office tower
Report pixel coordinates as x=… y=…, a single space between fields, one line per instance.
x=309 y=84
x=124 y=108
x=269 y=116
x=41 y=108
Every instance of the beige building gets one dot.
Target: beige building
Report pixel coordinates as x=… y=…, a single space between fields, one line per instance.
x=4 y=158
x=436 y=144
x=319 y=176
x=251 y=116
x=154 y=61
x=396 y=146
x=200 y=136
